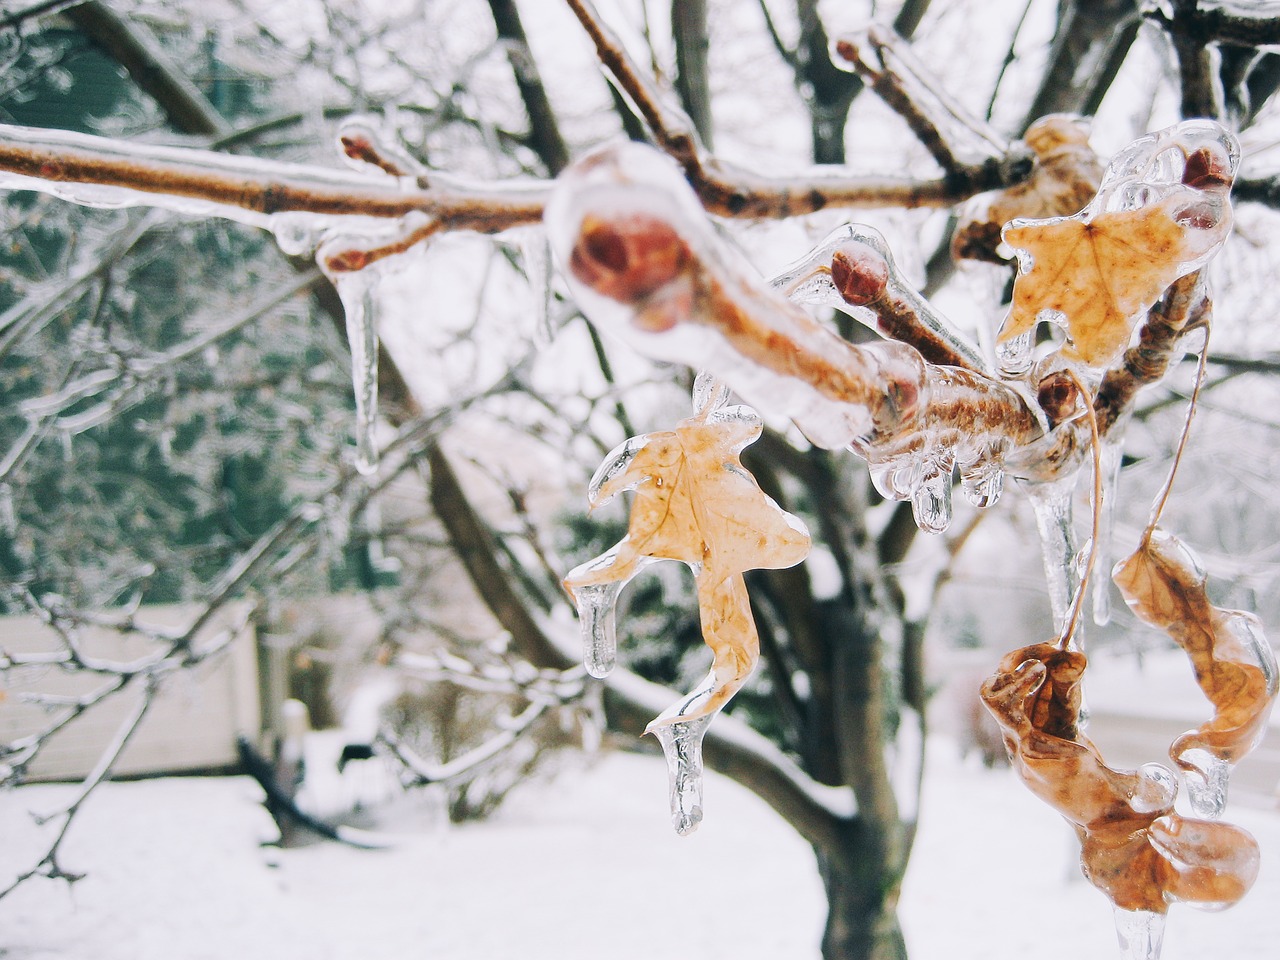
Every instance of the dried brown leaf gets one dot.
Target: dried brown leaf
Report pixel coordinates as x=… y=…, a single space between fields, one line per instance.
x=1234 y=666
x=1133 y=846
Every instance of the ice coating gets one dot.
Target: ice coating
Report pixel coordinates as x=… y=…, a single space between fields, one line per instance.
x=852 y=270
x=364 y=143
x=1162 y=211
x=1053 y=506
x=1165 y=586
x=644 y=262
x=1140 y=934
x=693 y=502
x=682 y=746
x=1133 y=846
x=1112 y=457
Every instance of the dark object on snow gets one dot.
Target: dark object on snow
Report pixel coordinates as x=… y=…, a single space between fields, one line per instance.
x=285 y=811
x=355 y=751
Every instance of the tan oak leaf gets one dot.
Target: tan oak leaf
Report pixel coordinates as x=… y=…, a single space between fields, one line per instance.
x=1099 y=273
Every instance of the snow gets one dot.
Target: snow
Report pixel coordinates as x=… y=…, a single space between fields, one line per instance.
x=584 y=866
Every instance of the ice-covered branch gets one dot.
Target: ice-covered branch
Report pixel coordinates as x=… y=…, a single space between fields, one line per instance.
x=644 y=262
x=1185 y=305
x=1248 y=24
x=98 y=171
x=956 y=140
x=734 y=192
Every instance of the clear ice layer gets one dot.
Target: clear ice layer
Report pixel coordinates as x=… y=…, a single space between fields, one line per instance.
x=596 y=604
x=1140 y=934
x=682 y=746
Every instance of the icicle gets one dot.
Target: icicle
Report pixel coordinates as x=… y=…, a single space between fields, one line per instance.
x=1207 y=778
x=931 y=499
x=596 y=602
x=898 y=478
x=1111 y=459
x=535 y=257
x=982 y=482
x=1140 y=932
x=356 y=292
x=1052 y=503
x=682 y=745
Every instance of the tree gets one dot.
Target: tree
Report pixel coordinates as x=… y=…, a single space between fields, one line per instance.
x=843 y=659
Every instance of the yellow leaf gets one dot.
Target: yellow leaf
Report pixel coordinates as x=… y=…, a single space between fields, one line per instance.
x=1100 y=274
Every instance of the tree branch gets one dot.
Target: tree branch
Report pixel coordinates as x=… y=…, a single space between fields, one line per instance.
x=544 y=133
x=689 y=29
x=737 y=193
x=147 y=64
x=1084 y=26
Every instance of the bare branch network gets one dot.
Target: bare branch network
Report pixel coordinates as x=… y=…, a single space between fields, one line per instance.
x=1114 y=257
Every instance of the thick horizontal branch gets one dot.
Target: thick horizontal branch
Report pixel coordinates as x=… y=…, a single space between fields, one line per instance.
x=1265 y=190
x=77 y=166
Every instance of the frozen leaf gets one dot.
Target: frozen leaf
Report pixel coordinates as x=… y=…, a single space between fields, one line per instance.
x=1133 y=846
x=1161 y=212
x=1164 y=585
x=1099 y=274
x=693 y=502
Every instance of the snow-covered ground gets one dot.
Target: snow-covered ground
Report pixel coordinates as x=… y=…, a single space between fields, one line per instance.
x=585 y=866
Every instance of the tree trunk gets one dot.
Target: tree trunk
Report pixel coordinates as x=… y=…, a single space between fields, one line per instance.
x=862 y=921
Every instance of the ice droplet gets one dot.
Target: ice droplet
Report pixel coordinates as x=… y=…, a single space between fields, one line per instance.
x=596 y=603
x=982 y=482
x=356 y=292
x=931 y=499
x=1207 y=778
x=1014 y=355
x=297 y=234
x=897 y=479
x=682 y=745
x=1156 y=789
x=1052 y=504
x=1140 y=932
